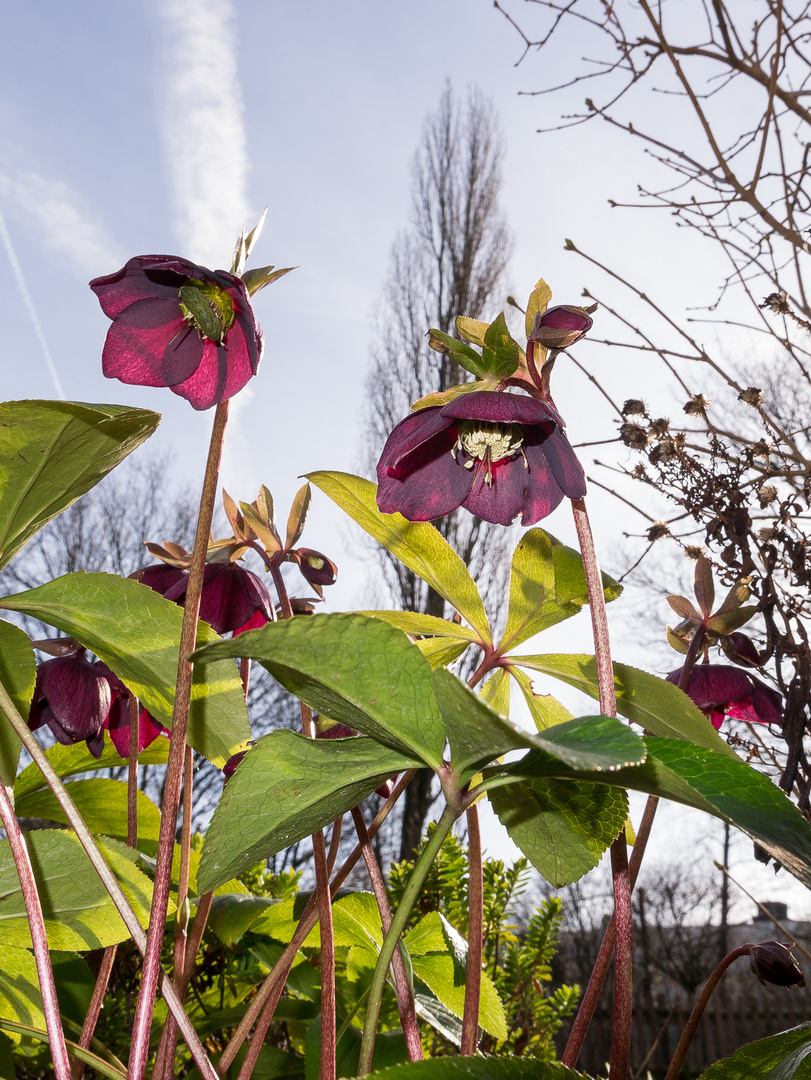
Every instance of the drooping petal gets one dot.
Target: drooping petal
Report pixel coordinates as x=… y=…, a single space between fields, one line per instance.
x=251 y=331
x=544 y=493
x=118 y=725
x=142 y=278
x=435 y=488
x=565 y=466
x=502 y=500
x=137 y=344
x=231 y=596
x=78 y=697
x=221 y=373
x=161 y=577
x=411 y=442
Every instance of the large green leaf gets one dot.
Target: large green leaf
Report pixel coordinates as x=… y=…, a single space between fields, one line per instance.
x=136 y=633
x=469 y=359
x=545 y=710
x=284 y=789
x=51 y=453
x=20 y=997
x=417 y=624
x=233 y=914
x=438 y=954
x=547 y=585
x=18 y=674
x=103 y=805
x=562 y=826
x=417 y=544
x=724 y=786
x=78 y=911
x=478 y=735
x=647 y=700
x=357 y=670
x=72 y=760
x=480 y=1068
x=786 y=1056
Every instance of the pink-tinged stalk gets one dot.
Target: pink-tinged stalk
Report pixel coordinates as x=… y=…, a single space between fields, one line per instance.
x=36 y=924
x=177 y=753
x=473 y=979
x=698 y=1010
x=328 y=1045
x=108 y=958
x=588 y=1005
x=623 y=965
x=106 y=876
x=402 y=987
x=265 y=999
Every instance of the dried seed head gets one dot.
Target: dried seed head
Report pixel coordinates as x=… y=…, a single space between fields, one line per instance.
x=767 y=493
x=633 y=407
x=697 y=405
x=634 y=435
x=658 y=531
x=751 y=396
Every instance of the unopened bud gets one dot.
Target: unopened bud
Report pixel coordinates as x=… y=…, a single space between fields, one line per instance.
x=559 y=327
x=773 y=963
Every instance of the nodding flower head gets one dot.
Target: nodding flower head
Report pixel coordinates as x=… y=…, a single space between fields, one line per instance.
x=722 y=691
x=496 y=454
x=179 y=325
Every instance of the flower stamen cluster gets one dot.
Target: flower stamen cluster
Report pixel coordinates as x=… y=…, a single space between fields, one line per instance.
x=207 y=308
x=488 y=442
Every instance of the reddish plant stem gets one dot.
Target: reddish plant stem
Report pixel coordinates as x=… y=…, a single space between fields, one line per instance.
x=623 y=966
x=334 y=844
x=405 y=997
x=165 y=1056
x=323 y=891
x=698 y=1010
x=177 y=753
x=39 y=938
x=588 y=1005
x=106 y=876
x=108 y=958
x=263 y=1001
x=473 y=974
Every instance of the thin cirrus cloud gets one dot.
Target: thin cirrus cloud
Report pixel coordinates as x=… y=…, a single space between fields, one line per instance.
x=202 y=119
x=57 y=217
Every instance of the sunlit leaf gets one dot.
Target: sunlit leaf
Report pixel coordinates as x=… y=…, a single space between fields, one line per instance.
x=359 y=671
x=501 y=354
x=71 y=760
x=284 y=789
x=137 y=633
x=418 y=545
x=18 y=674
x=51 y=453
x=538 y=301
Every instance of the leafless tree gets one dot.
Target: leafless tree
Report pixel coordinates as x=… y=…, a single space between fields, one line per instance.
x=716 y=94
x=450 y=261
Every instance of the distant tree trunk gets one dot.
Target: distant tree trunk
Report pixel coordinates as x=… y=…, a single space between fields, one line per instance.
x=450 y=262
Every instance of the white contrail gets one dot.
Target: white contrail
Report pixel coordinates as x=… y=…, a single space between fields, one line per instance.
x=29 y=303
x=202 y=119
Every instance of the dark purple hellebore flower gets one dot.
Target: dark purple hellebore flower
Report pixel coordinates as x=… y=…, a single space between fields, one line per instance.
x=772 y=962
x=118 y=718
x=496 y=454
x=722 y=691
x=73 y=697
x=234 y=598
x=179 y=325
x=559 y=327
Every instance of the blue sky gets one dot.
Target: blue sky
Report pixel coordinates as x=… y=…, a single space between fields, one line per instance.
x=158 y=127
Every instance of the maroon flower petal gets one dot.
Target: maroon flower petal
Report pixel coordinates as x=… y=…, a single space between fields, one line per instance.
x=502 y=408
x=139 y=341
x=160 y=577
x=251 y=331
x=434 y=489
x=544 y=493
x=411 y=443
x=222 y=372
x=502 y=500
x=142 y=278
x=118 y=725
x=77 y=696
x=232 y=595
x=727 y=691
x=565 y=466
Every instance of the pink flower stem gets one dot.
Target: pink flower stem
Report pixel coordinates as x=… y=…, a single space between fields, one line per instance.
x=473 y=976
x=698 y=1010
x=323 y=891
x=165 y=1057
x=36 y=924
x=108 y=958
x=623 y=965
x=177 y=754
x=588 y=1005
x=264 y=1003
x=405 y=996
x=106 y=876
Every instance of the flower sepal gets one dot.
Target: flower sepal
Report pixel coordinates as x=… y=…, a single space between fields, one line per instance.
x=257 y=279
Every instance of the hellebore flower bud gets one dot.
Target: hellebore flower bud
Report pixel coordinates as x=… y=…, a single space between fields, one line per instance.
x=559 y=327
x=316 y=568
x=232 y=764
x=772 y=963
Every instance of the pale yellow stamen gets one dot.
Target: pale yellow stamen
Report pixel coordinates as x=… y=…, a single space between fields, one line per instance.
x=483 y=440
